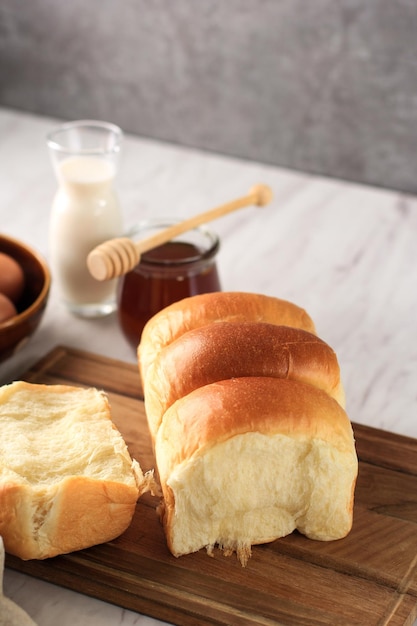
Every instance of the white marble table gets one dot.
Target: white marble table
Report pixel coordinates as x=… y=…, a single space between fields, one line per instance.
x=347 y=253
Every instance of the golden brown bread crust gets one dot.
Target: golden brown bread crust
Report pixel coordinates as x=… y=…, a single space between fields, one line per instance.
x=203 y=309
x=227 y=408
x=230 y=350
x=81 y=512
x=217 y=429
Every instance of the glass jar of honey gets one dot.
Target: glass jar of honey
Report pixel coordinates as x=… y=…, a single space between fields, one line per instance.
x=182 y=267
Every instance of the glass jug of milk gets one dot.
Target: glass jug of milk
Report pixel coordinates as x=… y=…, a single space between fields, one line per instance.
x=85 y=211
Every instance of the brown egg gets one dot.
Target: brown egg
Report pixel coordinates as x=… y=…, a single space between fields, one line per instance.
x=7 y=308
x=12 y=279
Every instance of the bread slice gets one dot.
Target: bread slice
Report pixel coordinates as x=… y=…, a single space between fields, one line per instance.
x=231 y=350
x=226 y=306
x=247 y=460
x=67 y=480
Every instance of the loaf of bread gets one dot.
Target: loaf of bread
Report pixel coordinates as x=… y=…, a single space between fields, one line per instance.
x=67 y=480
x=247 y=417
x=230 y=350
x=246 y=460
x=196 y=311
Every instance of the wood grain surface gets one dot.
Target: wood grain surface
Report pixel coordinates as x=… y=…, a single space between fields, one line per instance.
x=367 y=579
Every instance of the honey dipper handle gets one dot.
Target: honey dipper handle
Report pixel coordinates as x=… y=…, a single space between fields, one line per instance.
x=259 y=195
x=118 y=256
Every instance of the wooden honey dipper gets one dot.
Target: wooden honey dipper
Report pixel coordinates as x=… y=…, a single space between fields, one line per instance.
x=118 y=256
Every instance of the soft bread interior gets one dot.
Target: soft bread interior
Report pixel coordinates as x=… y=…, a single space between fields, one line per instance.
x=279 y=486
x=67 y=433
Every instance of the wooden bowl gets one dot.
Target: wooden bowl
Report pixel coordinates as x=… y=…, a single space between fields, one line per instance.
x=15 y=331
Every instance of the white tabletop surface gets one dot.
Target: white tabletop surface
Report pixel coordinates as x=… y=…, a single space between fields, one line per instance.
x=346 y=253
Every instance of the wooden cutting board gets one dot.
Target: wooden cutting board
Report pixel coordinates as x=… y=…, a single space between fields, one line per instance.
x=366 y=579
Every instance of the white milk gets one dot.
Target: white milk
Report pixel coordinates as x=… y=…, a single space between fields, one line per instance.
x=85 y=212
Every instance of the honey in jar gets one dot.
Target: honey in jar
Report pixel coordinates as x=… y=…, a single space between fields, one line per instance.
x=185 y=266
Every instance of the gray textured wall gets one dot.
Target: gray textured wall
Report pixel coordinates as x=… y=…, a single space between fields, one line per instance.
x=323 y=86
